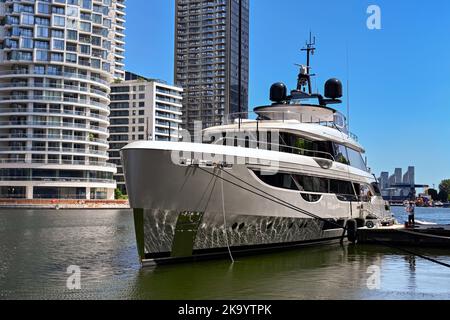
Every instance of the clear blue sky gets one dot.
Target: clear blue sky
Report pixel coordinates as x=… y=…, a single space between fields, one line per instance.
x=399 y=76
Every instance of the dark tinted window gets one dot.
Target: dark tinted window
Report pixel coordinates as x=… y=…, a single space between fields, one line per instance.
x=312 y=184
x=279 y=180
x=343 y=189
x=299 y=145
x=376 y=189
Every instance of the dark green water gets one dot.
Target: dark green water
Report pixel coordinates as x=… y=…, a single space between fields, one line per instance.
x=36 y=248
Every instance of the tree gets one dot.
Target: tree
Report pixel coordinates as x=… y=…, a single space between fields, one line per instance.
x=443 y=196
x=445 y=186
x=433 y=193
x=118 y=195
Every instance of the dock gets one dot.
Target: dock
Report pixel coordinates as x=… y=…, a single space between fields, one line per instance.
x=419 y=236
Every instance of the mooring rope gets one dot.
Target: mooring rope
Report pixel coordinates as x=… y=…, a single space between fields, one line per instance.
x=425 y=235
x=413 y=253
x=225 y=222
x=283 y=203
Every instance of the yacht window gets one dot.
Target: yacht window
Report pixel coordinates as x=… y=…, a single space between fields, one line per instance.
x=302 y=146
x=356 y=159
x=376 y=189
x=290 y=143
x=364 y=191
x=343 y=189
x=278 y=180
x=313 y=184
x=341 y=154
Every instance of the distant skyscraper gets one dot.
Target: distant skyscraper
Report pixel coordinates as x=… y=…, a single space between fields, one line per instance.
x=384 y=180
x=396 y=186
x=409 y=176
x=212 y=59
x=57 y=60
x=398 y=175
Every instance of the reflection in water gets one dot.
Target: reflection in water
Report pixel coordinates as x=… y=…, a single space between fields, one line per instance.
x=411 y=260
x=37 y=247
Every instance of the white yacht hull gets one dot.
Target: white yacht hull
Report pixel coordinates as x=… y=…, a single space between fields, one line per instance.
x=181 y=212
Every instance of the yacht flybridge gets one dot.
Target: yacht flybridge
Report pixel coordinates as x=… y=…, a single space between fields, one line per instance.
x=291 y=176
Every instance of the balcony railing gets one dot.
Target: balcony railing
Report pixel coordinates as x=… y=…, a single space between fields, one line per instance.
x=54 y=99
x=54 y=112
x=52 y=86
x=60 y=162
x=53 y=150
x=53 y=137
x=57 y=179
x=53 y=124
x=55 y=74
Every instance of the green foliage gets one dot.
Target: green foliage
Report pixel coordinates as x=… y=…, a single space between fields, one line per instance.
x=445 y=186
x=118 y=195
x=443 y=196
x=433 y=193
x=444 y=190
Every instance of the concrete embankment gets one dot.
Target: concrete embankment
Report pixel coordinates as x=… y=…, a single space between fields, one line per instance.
x=64 y=204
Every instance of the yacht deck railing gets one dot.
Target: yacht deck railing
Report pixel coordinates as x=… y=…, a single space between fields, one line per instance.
x=338 y=122
x=255 y=144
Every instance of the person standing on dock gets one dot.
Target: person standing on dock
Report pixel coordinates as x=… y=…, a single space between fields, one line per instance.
x=410 y=209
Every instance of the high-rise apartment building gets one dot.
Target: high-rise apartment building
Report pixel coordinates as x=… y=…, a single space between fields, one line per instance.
x=57 y=61
x=212 y=59
x=142 y=109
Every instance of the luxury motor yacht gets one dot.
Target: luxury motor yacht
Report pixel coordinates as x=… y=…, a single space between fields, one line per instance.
x=289 y=176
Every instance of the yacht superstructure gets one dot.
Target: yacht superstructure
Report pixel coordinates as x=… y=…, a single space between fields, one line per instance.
x=291 y=176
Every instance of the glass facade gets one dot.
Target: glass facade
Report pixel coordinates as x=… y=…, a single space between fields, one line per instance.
x=212 y=59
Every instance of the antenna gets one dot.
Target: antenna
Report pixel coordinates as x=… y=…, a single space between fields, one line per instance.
x=310 y=49
x=348 y=90
x=305 y=76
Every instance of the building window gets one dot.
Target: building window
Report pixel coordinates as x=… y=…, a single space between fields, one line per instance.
x=26 y=43
x=41 y=55
x=57 y=57
x=85 y=26
x=58 y=34
x=85 y=49
x=28 y=19
x=59 y=21
x=42 y=32
x=58 y=44
x=71 y=58
x=43 y=8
